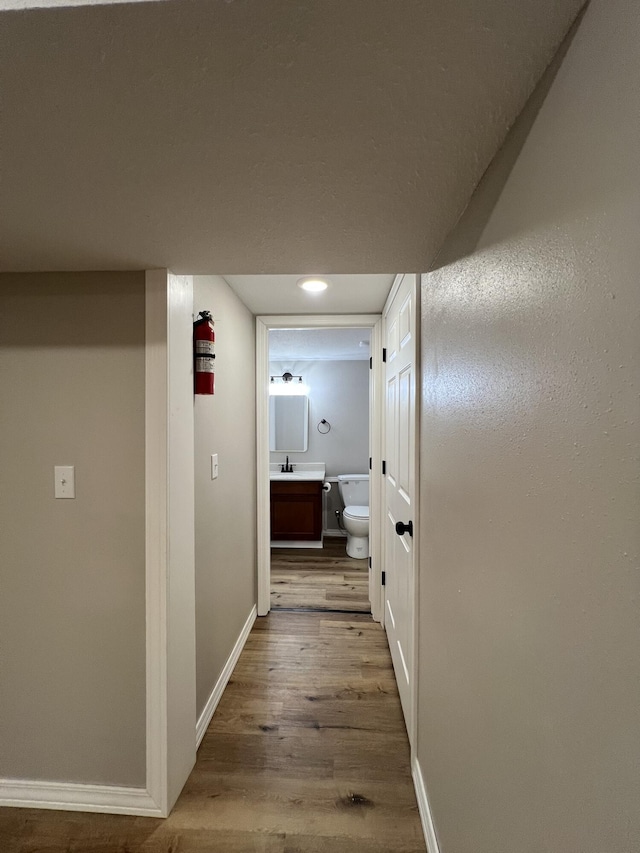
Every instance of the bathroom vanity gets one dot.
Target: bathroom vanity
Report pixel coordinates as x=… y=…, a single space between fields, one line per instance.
x=296 y=504
x=296 y=510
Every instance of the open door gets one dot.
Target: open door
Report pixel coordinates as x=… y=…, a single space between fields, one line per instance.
x=400 y=486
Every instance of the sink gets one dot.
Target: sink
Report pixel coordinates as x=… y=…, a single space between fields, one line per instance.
x=304 y=471
x=297 y=475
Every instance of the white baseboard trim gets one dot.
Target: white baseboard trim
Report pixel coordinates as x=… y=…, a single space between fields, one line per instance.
x=297 y=543
x=428 y=828
x=223 y=680
x=76 y=797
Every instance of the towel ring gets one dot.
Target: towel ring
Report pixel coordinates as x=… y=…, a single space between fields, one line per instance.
x=324 y=427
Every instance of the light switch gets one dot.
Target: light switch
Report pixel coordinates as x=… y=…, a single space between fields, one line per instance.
x=65 y=481
x=214 y=466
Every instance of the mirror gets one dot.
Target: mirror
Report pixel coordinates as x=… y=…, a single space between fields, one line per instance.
x=288 y=423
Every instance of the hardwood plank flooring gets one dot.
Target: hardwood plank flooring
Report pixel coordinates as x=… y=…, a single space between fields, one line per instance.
x=319 y=578
x=307 y=753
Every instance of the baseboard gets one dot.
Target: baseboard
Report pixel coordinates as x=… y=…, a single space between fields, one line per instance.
x=332 y=532
x=428 y=828
x=298 y=543
x=72 y=796
x=223 y=680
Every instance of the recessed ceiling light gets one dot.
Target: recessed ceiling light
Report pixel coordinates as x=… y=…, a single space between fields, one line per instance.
x=313 y=284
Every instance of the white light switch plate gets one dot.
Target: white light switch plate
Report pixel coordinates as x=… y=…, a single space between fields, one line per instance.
x=214 y=466
x=65 y=481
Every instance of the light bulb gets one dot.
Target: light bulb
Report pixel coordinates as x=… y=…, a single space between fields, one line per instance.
x=313 y=285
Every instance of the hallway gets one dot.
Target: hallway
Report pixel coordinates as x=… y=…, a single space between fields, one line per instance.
x=307 y=752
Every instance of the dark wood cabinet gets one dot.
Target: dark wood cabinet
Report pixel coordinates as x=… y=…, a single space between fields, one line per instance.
x=296 y=510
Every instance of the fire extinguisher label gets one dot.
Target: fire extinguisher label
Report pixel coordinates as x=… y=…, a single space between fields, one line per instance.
x=204 y=347
x=204 y=365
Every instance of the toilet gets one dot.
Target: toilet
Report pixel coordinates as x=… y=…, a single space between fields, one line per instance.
x=354 y=491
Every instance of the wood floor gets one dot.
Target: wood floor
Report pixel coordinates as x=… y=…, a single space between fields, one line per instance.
x=319 y=579
x=307 y=753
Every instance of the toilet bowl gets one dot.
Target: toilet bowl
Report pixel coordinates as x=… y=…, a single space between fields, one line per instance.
x=354 y=491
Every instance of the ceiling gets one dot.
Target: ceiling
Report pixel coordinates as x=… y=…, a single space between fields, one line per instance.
x=279 y=294
x=246 y=136
x=319 y=345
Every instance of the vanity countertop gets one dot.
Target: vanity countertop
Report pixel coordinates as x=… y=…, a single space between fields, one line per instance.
x=301 y=471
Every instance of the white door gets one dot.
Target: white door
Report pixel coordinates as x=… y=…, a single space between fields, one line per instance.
x=400 y=486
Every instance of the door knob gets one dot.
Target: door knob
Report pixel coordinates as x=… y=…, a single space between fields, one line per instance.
x=402 y=528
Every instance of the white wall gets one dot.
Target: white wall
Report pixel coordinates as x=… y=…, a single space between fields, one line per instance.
x=530 y=537
x=225 y=423
x=180 y=627
x=339 y=393
x=72 y=572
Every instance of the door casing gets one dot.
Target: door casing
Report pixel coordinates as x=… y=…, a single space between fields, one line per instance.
x=264 y=324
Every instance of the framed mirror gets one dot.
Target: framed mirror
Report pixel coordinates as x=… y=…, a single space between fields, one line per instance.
x=289 y=423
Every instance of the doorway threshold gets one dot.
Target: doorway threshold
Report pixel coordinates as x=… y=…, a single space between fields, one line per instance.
x=319 y=610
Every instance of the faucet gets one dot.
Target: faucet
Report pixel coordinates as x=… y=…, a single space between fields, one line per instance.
x=285 y=468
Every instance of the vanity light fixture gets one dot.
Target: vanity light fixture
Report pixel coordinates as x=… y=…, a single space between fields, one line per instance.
x=313 y=284
x=287 y=377
x=284 y=385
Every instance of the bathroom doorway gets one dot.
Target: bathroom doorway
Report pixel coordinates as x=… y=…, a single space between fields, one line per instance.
x=318 y=429
x=327 y=365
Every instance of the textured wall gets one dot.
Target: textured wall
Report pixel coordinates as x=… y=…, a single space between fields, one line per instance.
x=225 y=508
x=72 y=572
x=529 y=693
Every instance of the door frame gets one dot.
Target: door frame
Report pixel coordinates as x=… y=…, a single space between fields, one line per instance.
x=264 y=324
x=412 y=730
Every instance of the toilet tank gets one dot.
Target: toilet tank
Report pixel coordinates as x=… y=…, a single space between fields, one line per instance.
x=354 y=489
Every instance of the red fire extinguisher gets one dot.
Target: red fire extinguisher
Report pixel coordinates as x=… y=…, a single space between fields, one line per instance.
x=204 y=339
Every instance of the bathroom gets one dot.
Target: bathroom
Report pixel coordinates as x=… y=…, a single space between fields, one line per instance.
x=331 y=368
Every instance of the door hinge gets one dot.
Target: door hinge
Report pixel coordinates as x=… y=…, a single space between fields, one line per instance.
x=369 y=562
x=384 y=354
x=370 y=362
x=370 y=463
x=384 y=579
x=384 y=467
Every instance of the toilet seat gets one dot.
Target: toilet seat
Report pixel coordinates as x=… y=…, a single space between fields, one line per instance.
x=356 y=512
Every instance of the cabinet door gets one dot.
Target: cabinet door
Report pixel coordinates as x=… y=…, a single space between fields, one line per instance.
x=296 y=511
